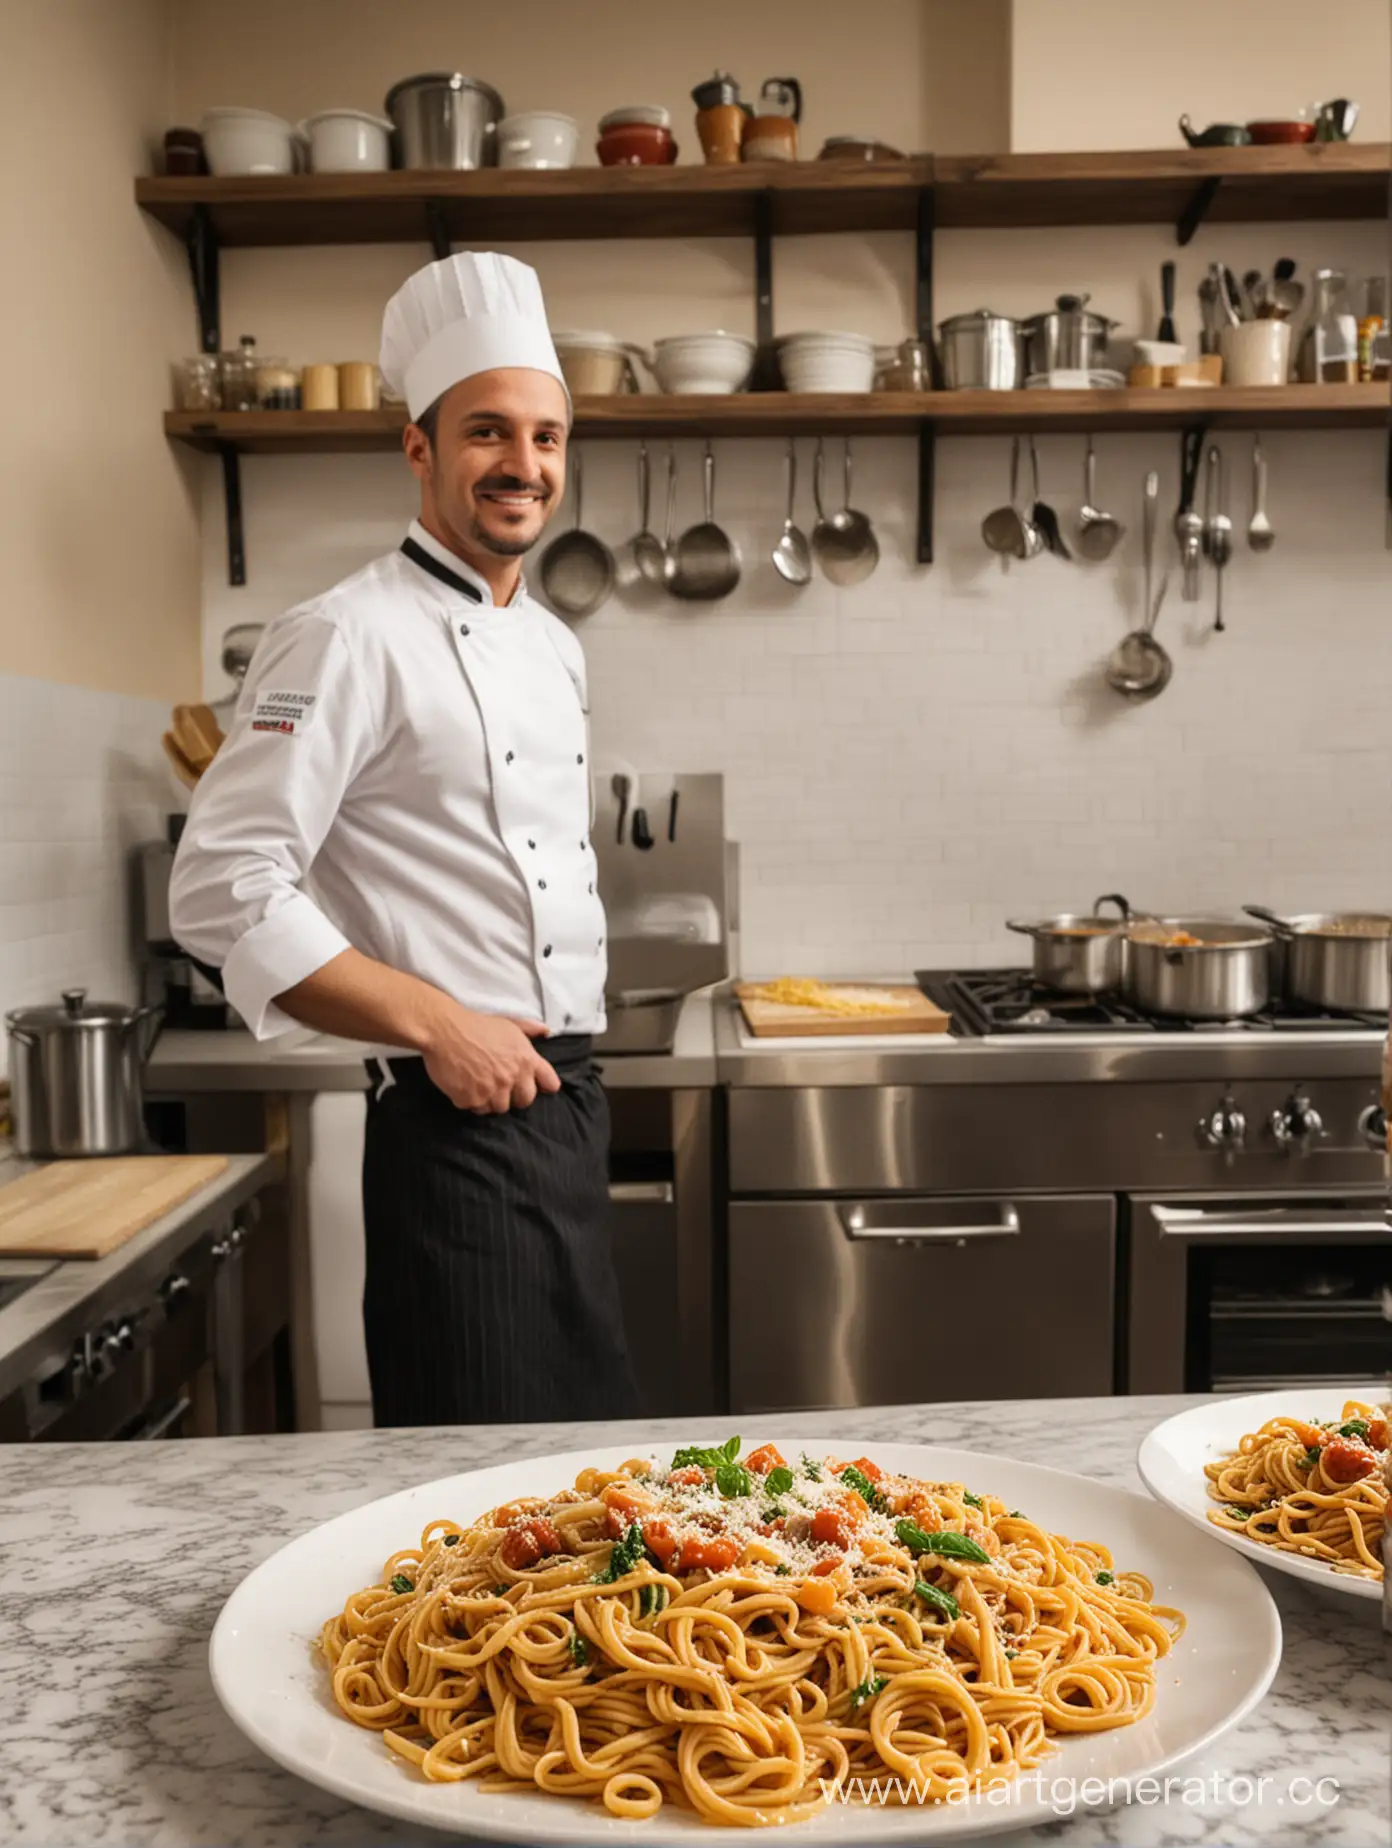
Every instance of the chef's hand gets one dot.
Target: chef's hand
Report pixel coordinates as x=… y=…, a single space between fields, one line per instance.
x=487 y=1063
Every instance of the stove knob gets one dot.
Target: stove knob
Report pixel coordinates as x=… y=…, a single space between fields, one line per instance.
x=1372 y=1126
x=1226 y=1129
x=175 y=1286
x=1297 y=1126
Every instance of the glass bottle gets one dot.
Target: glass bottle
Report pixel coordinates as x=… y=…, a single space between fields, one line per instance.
x=1371 y=323
x=1329 y=345
x=238 y=372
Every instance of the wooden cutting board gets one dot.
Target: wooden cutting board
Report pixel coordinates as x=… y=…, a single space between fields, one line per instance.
x=777 y=1020
x=85 y=1209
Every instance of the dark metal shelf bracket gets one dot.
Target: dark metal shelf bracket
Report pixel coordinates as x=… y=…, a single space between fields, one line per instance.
x=202 y=243
x=232 y=497
x=1197 y=209
x=438 y=227
x=925 y=225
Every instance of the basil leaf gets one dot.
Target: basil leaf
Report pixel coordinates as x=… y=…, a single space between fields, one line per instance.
x=809 y=1468
x=972 y=1501
x=782 y=1571
x=942 y=1601
x=1104 y=1578
x=579 y=1649
x=623 y=1557
x=910 y=1534
x=1236 y=1513
x=401 y=1584
x=957 y=1546
x=1011 y=1654
x=1356 y=1427
x=706 y=1457
x=861 y=1483
x=779 y=1480
x=1312 y=1456
x=733 y=1480
x=867 y=1690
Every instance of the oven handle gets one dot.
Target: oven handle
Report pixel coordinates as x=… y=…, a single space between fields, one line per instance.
x=636 y=1193
x=854 y=1224
x=1186 y=1222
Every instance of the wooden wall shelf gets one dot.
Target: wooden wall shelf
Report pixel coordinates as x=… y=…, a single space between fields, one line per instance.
x=779 y=414
x=1333 y=180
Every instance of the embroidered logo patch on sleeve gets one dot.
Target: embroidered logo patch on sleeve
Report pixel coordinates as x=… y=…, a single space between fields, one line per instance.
x=283 y=712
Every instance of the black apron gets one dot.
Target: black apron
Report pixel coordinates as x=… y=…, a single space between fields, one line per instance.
x=490 y=1294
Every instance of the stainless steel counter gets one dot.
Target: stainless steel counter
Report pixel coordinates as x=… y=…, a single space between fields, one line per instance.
x=1219 y=1056
x=186 y=1062
x=70 y=1294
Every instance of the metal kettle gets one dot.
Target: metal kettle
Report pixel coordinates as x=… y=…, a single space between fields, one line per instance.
x=75 y=1075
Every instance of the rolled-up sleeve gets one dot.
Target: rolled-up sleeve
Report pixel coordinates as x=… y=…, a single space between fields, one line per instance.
x=303 y=730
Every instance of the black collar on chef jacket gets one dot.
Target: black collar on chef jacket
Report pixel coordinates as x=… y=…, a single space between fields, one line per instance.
x=419 y=556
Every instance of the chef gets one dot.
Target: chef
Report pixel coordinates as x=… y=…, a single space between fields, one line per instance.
x=415 y=740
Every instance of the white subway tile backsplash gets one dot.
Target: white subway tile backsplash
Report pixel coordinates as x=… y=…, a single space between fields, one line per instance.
x=82 y=781
x=910 y=762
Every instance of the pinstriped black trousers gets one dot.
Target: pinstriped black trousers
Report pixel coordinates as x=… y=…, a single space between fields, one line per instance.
x=490 y=1294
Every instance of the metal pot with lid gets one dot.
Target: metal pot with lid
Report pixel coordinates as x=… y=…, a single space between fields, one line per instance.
x=75 y=1075
x=1068 y=338
x=980 y=351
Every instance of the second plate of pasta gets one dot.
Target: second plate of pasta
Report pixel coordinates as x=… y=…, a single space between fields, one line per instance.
x=531 y=1652
x=1292 y=1479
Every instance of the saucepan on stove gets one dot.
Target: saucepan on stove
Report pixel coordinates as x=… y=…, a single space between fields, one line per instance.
x=1079 y=953
x=1197 y=968
x=1335 y=959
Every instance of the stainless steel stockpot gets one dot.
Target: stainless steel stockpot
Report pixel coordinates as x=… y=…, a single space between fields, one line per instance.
x=75 y=1075
x=1198 y=968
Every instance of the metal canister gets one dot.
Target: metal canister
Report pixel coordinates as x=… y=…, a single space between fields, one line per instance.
x=442 y=119
x=981 y=351
x=75 y=1075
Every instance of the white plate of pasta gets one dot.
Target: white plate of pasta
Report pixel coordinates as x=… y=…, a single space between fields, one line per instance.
x=1294 y=1479
x=896 y=1646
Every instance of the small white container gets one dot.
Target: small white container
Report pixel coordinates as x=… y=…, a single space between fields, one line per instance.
x=1256 y=353
x=826 y=361
x=538 y=139
x=1159 y=353
x=240 y=141
x=709 y=363
x=347 y=141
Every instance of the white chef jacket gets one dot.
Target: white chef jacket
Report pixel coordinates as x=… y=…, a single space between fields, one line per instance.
x=423 y=754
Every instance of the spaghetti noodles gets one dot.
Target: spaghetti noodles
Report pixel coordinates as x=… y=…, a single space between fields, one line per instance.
x=1309 y=1488
x=745 y=1639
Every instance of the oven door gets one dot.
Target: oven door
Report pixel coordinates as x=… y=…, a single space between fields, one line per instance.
x=895 y=1301
x=1251 y=1293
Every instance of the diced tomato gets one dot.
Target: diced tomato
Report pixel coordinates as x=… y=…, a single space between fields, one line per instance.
x=765 y=1458
x=689 y=1478
x=528 y=1542
x=714 y=1552
x=1345 y=1459
x=832 y=1527
x=1308 y=1434
x=855 y=1505
x=826 y=1566
x=923 y=1510
x=870 y=1470
x=1377 y=1434
x=817 y=1597
x=624 y=1506
x=660 y=1541
x=771 y=1527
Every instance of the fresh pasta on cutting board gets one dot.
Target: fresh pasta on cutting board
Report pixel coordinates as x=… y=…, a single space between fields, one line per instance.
x=802 y=1006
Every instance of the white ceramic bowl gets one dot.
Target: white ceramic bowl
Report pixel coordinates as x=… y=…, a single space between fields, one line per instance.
x=239 y=141
x=347 y=141
x=827 y=362
x=714 y=362
x=537 y=138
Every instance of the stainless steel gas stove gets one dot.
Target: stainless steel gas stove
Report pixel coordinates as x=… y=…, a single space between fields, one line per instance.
x=1054 y=1198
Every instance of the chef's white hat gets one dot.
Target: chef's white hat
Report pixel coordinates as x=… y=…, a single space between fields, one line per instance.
x=469 y=313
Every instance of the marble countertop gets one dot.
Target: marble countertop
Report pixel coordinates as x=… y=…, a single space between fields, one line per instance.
x=119 y=1557
x=184 y=1060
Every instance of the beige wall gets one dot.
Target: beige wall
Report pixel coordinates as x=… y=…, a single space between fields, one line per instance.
x=99 y=536
x=1118 y=73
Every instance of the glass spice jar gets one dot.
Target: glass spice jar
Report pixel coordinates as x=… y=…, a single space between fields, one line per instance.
x=198 y=384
